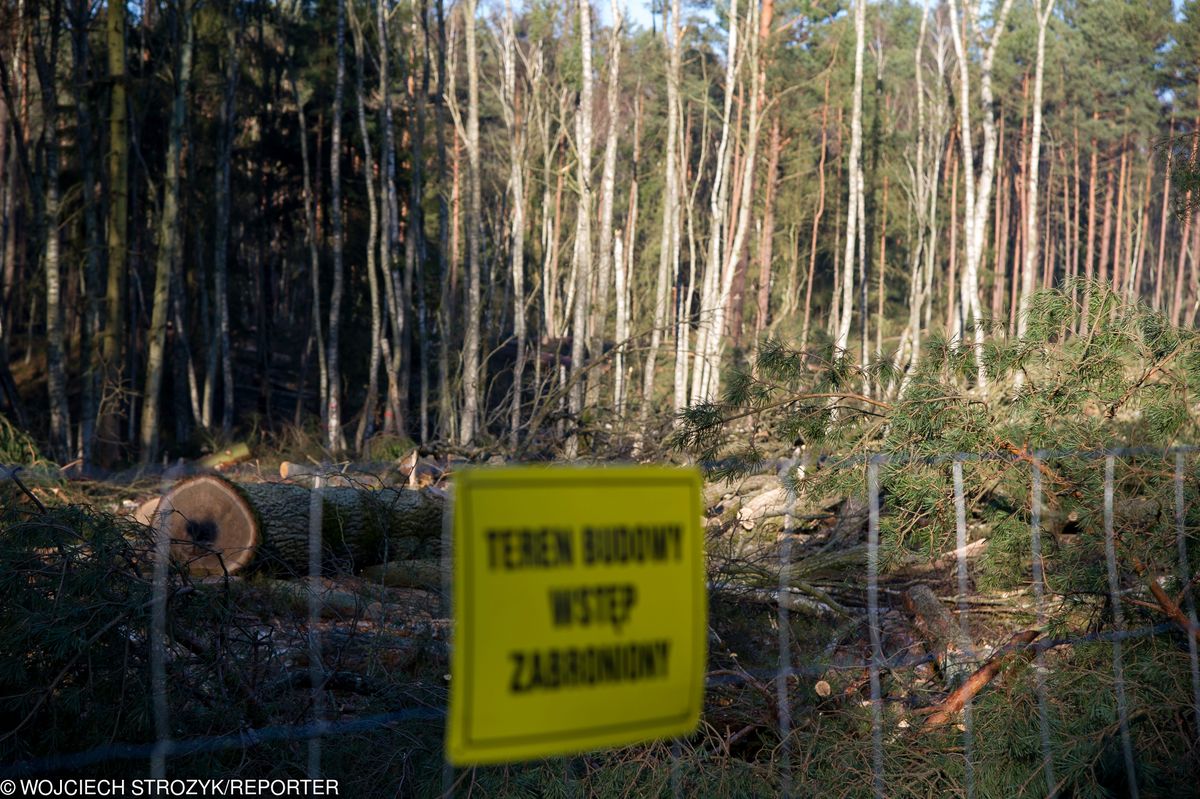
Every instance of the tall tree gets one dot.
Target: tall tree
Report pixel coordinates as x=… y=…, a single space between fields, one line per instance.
x=168 y=230
x=977 y=193
x=336 y=441
x=1029 y=267
x=474 y=310
x=855 y=192
x=583 y=266
x=117 y=235
x=516 y=186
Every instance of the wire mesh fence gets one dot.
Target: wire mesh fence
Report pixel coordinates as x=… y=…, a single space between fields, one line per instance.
x=1091 y=685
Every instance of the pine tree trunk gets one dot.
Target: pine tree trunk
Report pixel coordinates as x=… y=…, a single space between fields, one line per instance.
x=766 y=238
x=474 y=310
x=1164 y=217
x=516 y=185
x=1089 y=259
x=335 y=440
x=224 y=200
x=314 y=258
x=367 y=420
x=816 y=222
x=666 y=269
x=168 y=238
x=89 y=344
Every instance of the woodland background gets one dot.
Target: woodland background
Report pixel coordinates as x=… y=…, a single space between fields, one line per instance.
x=545 y=227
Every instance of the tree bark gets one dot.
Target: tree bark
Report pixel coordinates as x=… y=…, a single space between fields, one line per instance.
x=583 y=228
x=608 y=179
x=219 y=527
x=1028 y=275
x=335 y=440
x=474 y=309
x=854 y=170
x=366 y=421
x=224 y=202
x=978 y=195
x=90 y=347
x=168 y=236
x=666 y=268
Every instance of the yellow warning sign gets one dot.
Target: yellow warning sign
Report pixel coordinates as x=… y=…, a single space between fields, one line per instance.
x=579 y=610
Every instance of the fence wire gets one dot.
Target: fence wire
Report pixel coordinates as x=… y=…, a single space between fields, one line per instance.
x=318 y=727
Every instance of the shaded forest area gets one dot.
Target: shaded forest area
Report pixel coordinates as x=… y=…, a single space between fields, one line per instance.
x=549 y=229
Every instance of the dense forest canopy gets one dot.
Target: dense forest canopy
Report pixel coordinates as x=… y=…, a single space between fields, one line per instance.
x=544 y=226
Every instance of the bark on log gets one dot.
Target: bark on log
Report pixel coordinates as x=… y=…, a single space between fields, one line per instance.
x=767 y=505
x=217 y=526
x=951 y=649
x=424 y=573
x=235 y=453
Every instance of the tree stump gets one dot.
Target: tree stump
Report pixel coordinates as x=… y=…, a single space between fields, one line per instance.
x=220 y=527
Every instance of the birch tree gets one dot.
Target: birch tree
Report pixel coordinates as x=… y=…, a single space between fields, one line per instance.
x=583 y=223
x=608 y=179
x=977 y=202
x=1029 y=266
x=516 y=186
x=706 y=327
x=855 y=176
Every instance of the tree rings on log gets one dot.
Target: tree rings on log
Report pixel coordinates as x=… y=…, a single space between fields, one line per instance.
x=218 y=527
x=212 y=527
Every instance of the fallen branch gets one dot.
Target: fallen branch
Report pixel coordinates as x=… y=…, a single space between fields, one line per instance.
x=1168 y=606
x=956 y=701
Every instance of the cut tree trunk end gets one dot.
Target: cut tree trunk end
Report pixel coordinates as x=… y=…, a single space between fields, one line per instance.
x=219 y=527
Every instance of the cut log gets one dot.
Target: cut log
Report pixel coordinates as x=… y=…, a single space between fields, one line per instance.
x=424 y=573
x=769 y=504
x=952 y=651
x=235 y=453
x=221 y=527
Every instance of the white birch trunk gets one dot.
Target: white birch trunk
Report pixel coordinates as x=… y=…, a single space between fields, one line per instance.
x=854 y=169
x=583 y=228
x=1029 y=267
x=516 y=182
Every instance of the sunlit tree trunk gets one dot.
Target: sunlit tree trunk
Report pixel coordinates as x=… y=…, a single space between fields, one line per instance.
x=335 y=440
x=978 y=194
x=855 y=176
x=583 y=226
x=474 y=309
x=1028 y=276
x=224 y=201
x=604 y=255
x=516 y=185
x=666 y=269
x=719 y=193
